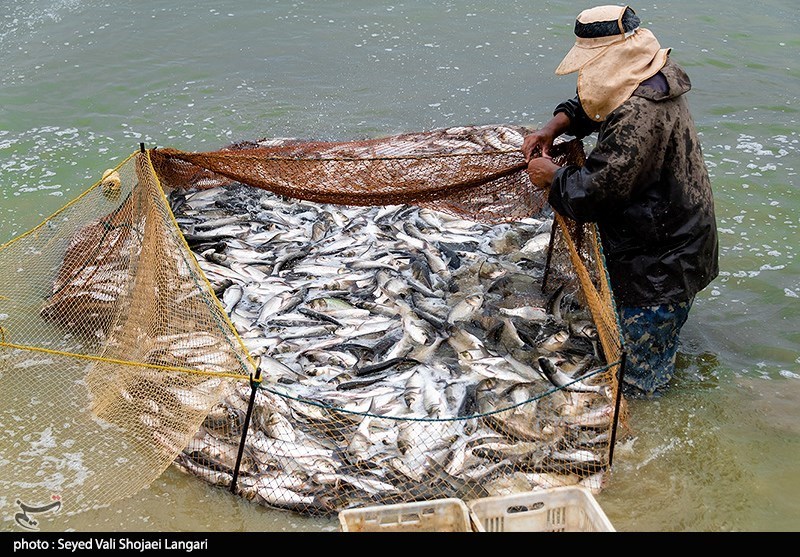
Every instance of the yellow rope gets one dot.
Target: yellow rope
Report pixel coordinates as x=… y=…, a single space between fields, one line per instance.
x=122 y=362
x=199 y=271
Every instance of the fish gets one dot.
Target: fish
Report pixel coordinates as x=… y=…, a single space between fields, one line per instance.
x=561 y=380
x=554 y=303
x=418 y=329
x=584 y=328
x=466 y=309
x=511 y=408
x=231 y=296
x=601 y=416
x=529 y=313
x=374 y=486
x=275 y=424
x=459 y=487
x=224 y=420
x=537 y=244
x=206 y=450
x=271 y=492
x=413 y=389
x=555 y=342
x=374 y=329
x=186 y=464
x=279 y=303
x=386 y=364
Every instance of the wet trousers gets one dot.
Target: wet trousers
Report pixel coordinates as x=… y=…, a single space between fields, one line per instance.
x=651 y=342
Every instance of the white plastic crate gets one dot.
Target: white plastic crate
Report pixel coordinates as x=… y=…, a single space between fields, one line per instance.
x=441 y=515
x=558 y=509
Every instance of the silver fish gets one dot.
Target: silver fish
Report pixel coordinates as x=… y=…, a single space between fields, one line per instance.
x=322 y=293
x=561 y=380
x=530 y=313
x=466 y=309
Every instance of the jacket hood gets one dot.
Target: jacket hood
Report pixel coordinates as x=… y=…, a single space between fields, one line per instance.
x=677 y=84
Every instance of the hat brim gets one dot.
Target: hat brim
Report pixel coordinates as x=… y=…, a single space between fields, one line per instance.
x=585 y=50
x=577 y=57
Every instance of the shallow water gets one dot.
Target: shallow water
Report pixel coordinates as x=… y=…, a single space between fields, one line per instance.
x=86 y=81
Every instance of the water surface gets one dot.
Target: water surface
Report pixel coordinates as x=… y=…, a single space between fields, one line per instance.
x=86 y=81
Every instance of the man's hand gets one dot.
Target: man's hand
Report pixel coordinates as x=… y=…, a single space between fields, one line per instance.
x=537 y=143
x=541 y=171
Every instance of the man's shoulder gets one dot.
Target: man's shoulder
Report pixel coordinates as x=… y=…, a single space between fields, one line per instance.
x=672 y=82
x=677 y=78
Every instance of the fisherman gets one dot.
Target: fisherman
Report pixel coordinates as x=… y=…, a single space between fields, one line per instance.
x=644 y=183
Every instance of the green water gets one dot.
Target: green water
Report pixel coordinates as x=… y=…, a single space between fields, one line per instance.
x=85 y=82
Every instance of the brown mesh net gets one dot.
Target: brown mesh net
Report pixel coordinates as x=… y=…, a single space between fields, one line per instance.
x=315 y=326
x=474 y=172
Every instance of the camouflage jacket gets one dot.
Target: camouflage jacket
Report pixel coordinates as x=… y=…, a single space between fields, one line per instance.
x=646 y=186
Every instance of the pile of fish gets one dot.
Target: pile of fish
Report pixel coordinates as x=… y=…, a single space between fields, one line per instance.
x=407 y=354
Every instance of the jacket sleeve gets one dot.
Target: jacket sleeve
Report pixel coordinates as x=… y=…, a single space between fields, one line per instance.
x=580 y=125
x=604 y=186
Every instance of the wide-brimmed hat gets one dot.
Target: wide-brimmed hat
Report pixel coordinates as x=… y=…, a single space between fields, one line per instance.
x=613 y=55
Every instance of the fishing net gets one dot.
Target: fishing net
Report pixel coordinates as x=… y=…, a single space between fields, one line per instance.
x=475 y=172
x=113 y=349
x=314 y=326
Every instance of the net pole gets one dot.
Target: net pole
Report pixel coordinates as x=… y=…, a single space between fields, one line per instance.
x=254 y=383
x=620 y=375
x=549 y=255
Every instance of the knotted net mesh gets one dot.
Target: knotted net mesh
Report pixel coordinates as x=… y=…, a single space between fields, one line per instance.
x=314 y=326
